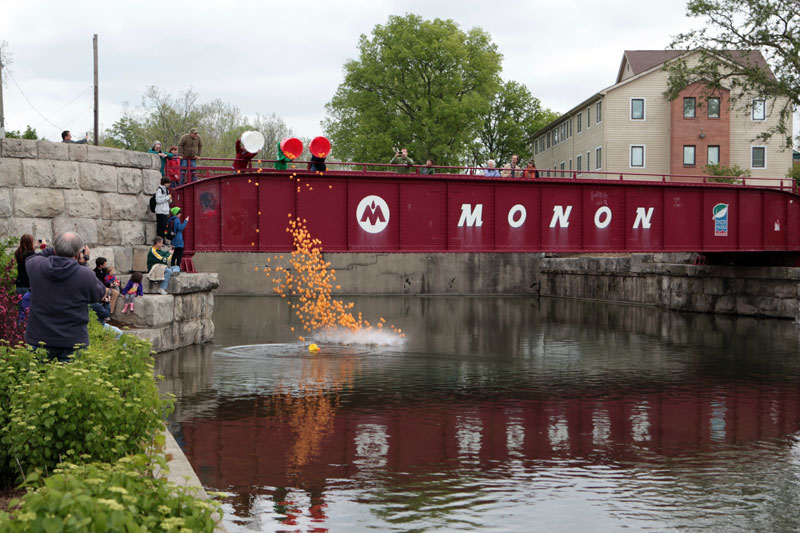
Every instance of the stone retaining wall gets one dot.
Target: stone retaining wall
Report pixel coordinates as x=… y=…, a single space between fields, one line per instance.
x=173 y=320
x=101 y=193
x=748 y=291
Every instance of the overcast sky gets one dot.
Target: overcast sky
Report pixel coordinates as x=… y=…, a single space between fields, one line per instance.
x=286 y=57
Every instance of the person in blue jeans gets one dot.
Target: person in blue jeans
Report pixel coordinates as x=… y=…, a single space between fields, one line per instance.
x=190 y=146
x=158 y=268
x=174 y=223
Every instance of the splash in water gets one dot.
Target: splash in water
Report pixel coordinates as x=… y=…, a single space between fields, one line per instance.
x=310 y=281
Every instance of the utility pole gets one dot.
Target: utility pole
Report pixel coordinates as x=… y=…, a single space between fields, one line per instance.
x=2 y=115
x=96 y=99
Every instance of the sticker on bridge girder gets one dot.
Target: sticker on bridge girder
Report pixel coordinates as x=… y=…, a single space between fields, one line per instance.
x=372 y=214
x=721 y=220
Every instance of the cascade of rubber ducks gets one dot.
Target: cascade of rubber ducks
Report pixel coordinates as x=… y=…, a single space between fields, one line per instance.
x=310 y=281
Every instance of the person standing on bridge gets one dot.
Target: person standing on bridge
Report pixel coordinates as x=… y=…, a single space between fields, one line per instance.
x=512 y=170
x=401 y=158
x=491 y=169
x=190 y=147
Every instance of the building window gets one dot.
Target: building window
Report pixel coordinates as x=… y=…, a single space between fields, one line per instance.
x=713 y=155
x=713 y=108
x=599 y=112
x=637 y=108
x=758 y=157
x=555 y=137
x=588 y=119
x=570 y=164
x=563 y=165
x=578 y=163
x=548 y=139
x=689 y=107
x=580 y=122
x=759 y=110
x=588 y=162
x=570 y=127
x=637 y=156
x=598 y=158
x=689 y=156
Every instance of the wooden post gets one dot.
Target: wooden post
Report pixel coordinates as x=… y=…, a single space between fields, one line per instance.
x=96 y=99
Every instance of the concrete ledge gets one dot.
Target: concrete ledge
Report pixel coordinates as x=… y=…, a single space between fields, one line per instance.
x=177 y=335
x=181 y=472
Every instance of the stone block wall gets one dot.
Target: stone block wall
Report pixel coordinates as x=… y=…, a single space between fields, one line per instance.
x=101 y=193
x=640 y=279
x=174 y=320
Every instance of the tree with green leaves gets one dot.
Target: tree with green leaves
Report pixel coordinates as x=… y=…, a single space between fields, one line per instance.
x=29 y=133
x=421 y=84
x=508 y=126
x=164 y=117
x=735 y=26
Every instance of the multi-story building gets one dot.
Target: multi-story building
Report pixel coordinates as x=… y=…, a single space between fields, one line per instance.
x=631 y=127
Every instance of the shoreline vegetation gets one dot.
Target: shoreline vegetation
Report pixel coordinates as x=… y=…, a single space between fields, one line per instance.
x=80 y=441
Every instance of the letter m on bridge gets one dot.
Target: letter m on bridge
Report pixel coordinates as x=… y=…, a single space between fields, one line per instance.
x=470 y=217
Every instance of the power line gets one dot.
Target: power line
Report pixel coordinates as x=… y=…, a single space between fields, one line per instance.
x=65 y=105
x=44 y=118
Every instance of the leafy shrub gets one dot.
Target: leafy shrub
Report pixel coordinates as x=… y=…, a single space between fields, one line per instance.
x=10 y=329
x=794 y=173
x=100 y=407
x=109 y=497
x=725 y=174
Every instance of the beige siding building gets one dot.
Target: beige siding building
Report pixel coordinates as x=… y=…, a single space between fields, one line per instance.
x=631 y=127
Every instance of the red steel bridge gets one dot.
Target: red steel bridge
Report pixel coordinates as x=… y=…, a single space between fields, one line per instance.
x=358 y=207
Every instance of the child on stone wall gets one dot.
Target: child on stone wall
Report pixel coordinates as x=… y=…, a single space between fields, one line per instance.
x=132 y=290
x=110 y=279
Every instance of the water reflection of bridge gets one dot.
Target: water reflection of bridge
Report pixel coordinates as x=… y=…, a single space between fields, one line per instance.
x=513 y=398
x=242 y=443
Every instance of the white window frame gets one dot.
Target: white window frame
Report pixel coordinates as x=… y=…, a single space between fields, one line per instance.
x=752 y=148
x=570 y=164
x=598 y=112
x=588 y=117
x=588 y=161
x=630 y=155
x=578 y=163
x=694 y=111
x=644 y=110
x=708 y=154
x=763 y=108
x=580 y=122
x=719 y=107
x=570 y=126
x=598 y=157
x=694 y=155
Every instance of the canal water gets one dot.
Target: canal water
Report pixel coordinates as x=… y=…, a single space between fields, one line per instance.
x=494 y=414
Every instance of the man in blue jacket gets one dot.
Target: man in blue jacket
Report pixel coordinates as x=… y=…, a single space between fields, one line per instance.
x=62 y=286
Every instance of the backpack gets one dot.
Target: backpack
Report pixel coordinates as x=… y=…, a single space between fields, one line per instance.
x=170 y=232
x=153 y=198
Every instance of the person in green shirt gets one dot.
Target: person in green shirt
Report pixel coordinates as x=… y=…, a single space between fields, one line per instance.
x=401 y=158
x=158 y=268
x=156 y=149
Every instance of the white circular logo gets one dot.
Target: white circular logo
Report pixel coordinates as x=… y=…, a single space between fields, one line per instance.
x=372 y=214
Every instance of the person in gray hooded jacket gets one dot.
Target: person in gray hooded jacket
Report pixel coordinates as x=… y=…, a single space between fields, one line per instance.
x=62 y=287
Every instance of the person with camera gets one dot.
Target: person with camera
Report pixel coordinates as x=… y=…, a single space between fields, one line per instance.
x=401 y=158
x=61 y=290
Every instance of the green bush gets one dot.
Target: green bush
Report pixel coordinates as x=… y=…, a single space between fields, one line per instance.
x=100 y=497
x=100 y=407
x=794 y=173
x=725 y=174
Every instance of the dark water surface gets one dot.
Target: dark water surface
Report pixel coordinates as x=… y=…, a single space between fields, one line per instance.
x=495 y=414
